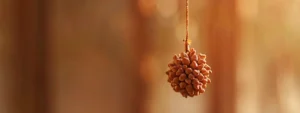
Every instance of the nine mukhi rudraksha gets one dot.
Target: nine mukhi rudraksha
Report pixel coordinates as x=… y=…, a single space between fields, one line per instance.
x=189 y=73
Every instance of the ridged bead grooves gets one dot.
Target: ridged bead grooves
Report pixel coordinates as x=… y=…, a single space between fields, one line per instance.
x=189 y=73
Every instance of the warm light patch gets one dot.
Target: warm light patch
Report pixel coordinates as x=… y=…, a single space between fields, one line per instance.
x=147 y=7
x=167 y=8
x=193 y=31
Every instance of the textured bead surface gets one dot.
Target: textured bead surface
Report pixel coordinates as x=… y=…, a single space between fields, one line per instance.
x=189 y=74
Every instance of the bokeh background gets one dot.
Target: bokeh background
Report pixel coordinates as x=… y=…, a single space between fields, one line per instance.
x=110 y=56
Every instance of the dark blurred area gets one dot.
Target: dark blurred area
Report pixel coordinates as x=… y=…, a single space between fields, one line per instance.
x=110 y=56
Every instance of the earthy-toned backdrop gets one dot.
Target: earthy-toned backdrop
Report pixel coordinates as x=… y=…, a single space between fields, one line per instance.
x=110 y=56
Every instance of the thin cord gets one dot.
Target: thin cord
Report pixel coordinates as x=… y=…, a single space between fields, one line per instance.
x=187 y=26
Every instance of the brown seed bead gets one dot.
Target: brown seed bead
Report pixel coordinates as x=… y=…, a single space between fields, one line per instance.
x=200 y=84
x=172 y=74
x=196 y=87
x=185 y=61
x=204 y=71
x=196 y=73
x=204 y=81
x=182 y=77
x=206 y=75
x=188 y=70
x=189 y=88
x=184 y=66
x=191 y=76
x=174 y=61
x=204 y=85
x=200 y=77
x=210 y=71
x=201 y=90
x=208 y=80
x=167 y=72
x=195 y=81
x=194 y=57
x=179 y=71
x=191 y=93
x=183 y=91
x=178 y=61
x=192 y=50
x=175 y=57
x=182 y=84
x=194 y=65
x=200 y=66
x=175 y=80
x=173 y=84
x=184 y=94
x=191 y=54
x=178 y=66
x=202 y=56
x=171 y=65
x=201 y=61
x=184 y=54
x=188 y=81
x=177 y=88
x=207 y=67
x=174 y=69
x=170 y=79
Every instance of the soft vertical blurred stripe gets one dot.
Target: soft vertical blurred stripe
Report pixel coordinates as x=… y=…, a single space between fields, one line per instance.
x=7 y=33
x=223 y=37
x=94 y=62
x=268 y=57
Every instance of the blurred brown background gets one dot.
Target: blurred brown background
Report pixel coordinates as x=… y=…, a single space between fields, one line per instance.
x=110 y=56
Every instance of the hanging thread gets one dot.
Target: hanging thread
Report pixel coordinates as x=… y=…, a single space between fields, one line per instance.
x=187 y=26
